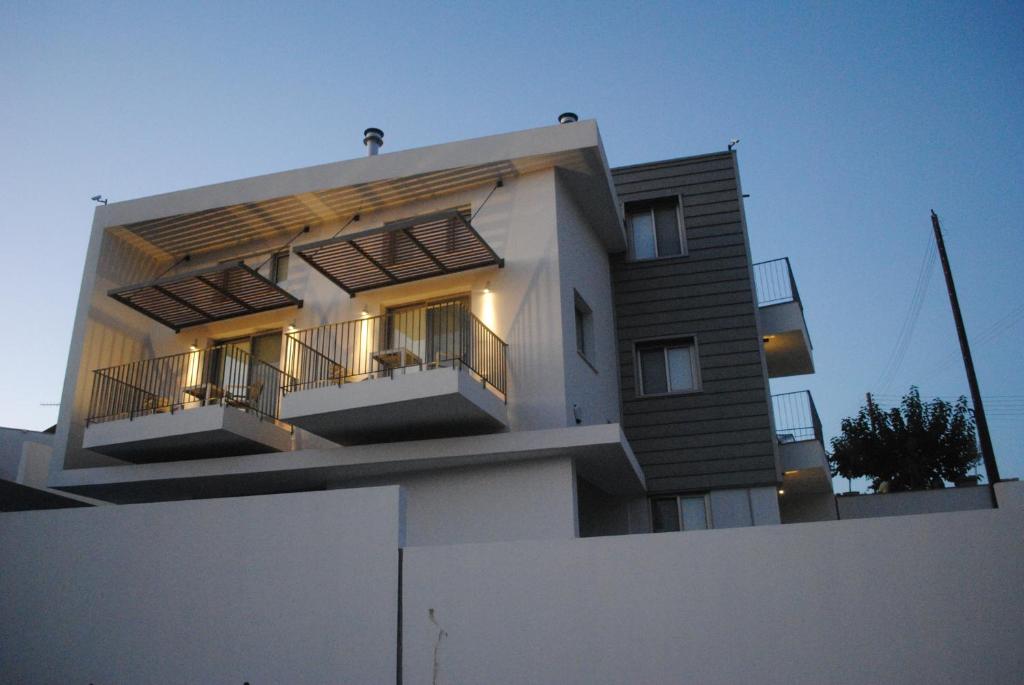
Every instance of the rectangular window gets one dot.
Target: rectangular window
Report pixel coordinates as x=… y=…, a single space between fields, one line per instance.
x=667 y=366
x=680 y=512
x=279 y=272
x=584 y=327
x=656 y=229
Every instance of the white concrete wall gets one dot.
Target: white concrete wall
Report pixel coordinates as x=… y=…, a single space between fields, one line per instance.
x=530 y=500
x=919 y=599
x=920 y=502
x=591 y=384
x=518 y=221
x=24 y=455
x=278 y=589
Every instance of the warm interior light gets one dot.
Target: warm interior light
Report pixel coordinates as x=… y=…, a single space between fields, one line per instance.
x=366 y=311
x=781 y=491
x=194 y=346
x=487 y=288
x=291 y=327
x=486 y=309
x=790 y=473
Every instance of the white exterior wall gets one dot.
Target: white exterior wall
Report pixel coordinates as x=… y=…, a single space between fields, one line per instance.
x=25 y=455
x=591 y=384
x=897 y=600
x=519 y=222
x=919 y=502
x=530 y=500
x=298 y=588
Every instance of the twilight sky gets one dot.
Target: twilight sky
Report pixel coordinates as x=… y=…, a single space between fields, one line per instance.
x=855 y=120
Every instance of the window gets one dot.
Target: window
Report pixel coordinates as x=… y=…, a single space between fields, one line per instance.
x=279 y=270
x=656 y=229
x=584 y=327
x=680 y=512
x=667 y=366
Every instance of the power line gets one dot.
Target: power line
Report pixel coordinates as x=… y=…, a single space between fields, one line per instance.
x=990 y=333
x=906 y=332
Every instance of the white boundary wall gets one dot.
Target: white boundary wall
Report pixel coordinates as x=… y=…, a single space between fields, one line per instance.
x=913 y=599
x=296 y=588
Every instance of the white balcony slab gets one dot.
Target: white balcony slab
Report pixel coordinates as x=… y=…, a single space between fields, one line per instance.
x=787 y=344
x=600 y=453
x=805 y=467
x=441 y=402
x=187 y=434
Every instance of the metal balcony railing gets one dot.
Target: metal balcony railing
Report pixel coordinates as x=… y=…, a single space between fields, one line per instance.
x=425 y=337
x=775 y=283
x=796 y=418
x=225 y=374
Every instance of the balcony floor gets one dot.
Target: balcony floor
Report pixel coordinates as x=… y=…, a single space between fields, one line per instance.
x=198 y=433
x=787 y=349
x=443 y=402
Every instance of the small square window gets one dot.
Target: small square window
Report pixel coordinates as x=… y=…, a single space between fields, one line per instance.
x=656 y=229
x=680 y=512
x=584 y=327
x=667 y=366
x=279 y=272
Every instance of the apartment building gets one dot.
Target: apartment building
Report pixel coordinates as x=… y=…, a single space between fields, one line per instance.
x=533 y=345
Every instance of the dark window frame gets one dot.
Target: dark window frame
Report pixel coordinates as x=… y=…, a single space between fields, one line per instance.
x=583 y=319
x=275 y=266
x=680 y=518
x=666 y=343
x=649 y=204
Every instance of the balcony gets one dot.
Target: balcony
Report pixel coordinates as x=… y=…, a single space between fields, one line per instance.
x=433 y=370
x=215 y=402
x=801 y=444
x=780 y=315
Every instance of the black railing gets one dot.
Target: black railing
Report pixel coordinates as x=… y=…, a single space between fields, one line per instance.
x=775 y=283
x=225 y=374
x=443 y=334
x=796 y=418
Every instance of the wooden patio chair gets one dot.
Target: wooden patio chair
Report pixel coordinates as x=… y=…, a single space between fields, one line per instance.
x=244 y=396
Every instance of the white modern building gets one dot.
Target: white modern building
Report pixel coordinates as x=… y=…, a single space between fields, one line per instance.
x=531 y=344
x=352 y=423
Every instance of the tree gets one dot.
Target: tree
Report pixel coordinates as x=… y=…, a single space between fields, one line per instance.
x=915 y=446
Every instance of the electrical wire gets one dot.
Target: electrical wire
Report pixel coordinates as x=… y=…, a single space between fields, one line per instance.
x=906 y=332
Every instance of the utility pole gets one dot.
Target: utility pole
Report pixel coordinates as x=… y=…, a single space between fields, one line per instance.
x=991 y=470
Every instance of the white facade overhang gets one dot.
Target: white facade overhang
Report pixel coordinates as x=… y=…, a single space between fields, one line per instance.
x=601 y=454
x=273 y=206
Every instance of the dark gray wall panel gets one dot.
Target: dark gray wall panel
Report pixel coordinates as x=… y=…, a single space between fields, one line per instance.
x=722 y=436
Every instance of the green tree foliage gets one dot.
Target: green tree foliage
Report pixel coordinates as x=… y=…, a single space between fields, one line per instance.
x=915 y=446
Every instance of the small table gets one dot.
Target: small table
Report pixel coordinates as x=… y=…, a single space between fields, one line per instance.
x=205 y=392
x=397 y=358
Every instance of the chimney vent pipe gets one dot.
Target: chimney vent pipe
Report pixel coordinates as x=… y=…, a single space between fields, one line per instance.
x=373 y=139
x=568 y=118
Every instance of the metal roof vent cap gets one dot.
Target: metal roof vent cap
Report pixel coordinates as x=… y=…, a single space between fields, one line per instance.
x=373 y=139
x=568 y=118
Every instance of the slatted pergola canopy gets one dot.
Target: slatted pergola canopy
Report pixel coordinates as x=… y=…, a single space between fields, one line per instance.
x=205 y=295
x=401 y=252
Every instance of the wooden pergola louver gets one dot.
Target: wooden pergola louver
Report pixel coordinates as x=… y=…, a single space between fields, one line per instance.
x=206 y=295
x=400 y=252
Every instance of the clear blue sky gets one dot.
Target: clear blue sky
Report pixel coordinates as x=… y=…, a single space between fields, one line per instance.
x=855 y=120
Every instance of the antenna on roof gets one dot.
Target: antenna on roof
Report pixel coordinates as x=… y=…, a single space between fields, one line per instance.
x=733 y=143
